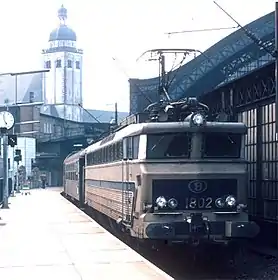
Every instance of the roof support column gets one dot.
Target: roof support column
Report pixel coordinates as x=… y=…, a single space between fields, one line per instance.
x=276 y=63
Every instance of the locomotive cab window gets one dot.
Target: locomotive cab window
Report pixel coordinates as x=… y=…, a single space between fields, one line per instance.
x=219 y=144
x=172 y=145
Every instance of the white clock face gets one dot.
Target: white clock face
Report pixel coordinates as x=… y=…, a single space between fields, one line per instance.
x=6 y=120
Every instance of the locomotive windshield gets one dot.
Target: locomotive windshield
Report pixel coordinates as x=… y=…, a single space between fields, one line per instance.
x=221 y=145
x=172 y=145
x=177 y=145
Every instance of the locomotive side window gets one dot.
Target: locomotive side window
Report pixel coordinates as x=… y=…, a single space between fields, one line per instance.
x=222 y=145
x=135 y=145
x=172 y=145
x=113 y=152
x=132 y=147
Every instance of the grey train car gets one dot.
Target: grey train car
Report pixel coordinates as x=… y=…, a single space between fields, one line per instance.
x=74 y=176
x=168 y=181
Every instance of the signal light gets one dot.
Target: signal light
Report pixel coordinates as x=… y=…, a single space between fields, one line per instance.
x=18 y=156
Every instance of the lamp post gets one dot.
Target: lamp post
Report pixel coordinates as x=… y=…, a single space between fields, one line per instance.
x=115 y=111
x=6 y=123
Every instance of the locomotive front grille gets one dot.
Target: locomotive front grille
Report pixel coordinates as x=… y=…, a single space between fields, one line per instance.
x=193 y=194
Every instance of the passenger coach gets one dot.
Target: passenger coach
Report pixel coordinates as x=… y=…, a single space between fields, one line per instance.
x=74 y=176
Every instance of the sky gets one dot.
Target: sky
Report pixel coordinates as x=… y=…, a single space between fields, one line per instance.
x=122 y=30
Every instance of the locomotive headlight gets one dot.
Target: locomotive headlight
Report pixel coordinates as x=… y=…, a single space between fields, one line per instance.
x=173 y=203
x=161 y=201
x=198 y=119
x=231 y=200
x=220 y=203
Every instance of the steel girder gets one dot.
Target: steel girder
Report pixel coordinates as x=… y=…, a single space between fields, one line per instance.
x=213 y=67
x=139 y=94
x=244 y=93
x=251 y=99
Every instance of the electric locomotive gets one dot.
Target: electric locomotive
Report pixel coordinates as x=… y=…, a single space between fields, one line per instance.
x=177 y=177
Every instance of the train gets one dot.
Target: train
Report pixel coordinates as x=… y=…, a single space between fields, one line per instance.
x=168 y=179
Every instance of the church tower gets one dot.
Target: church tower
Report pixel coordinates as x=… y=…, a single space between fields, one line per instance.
x=62 y=85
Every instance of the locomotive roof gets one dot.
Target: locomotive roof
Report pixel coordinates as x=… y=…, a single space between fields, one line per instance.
x=167 y=127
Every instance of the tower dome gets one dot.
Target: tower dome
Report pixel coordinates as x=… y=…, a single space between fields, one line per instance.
x=62 y=32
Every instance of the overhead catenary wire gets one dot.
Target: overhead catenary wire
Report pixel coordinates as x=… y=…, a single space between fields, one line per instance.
x=138 y=88
x=96 y=119
x=202 y=30
x=248 y=33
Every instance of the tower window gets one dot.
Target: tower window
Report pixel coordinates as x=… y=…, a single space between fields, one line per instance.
x=69 y=64
x=47 y=64
x=77 y=64
x=58 y=63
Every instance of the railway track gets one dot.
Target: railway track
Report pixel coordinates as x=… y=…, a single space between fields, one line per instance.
x=254 y=263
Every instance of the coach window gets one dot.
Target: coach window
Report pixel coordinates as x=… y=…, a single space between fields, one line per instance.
x=89 y=159
x=99 y=152
x=115 y=152
x=111 y=153
x=102 y=157
x=104 y=154
x=113 y=148
x=95 y=154
x=107 y=158
x=99 y=157
x=120 y=150
x=96 y=157
x=93 y=161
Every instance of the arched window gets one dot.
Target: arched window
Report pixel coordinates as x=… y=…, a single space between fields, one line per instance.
x=47 y=64
x=58 y=63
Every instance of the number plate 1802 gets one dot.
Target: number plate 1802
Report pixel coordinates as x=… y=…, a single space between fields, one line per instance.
x=198 y=203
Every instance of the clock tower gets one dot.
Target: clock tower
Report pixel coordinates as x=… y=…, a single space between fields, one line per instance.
x=62 y=86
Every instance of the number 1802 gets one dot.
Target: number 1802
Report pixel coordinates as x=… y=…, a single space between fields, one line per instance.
x=201 y=203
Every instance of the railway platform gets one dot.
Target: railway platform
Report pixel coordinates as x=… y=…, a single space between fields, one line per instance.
x=44 y=236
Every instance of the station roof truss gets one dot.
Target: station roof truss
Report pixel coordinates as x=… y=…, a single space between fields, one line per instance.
x=232 y=57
